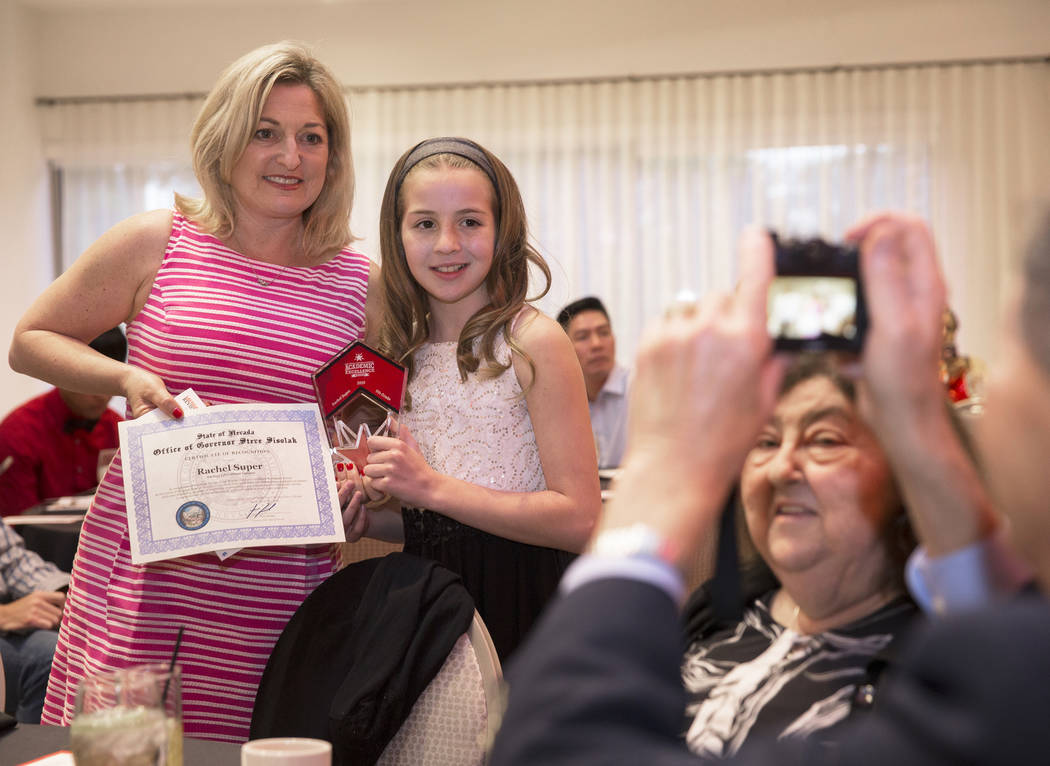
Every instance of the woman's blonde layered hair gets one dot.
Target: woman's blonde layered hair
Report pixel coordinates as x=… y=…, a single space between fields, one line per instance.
x=406 y=326
x=229 y=119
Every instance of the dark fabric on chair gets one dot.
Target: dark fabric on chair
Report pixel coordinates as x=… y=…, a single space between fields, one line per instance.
x=703 y=617
x=726 y=601
x=356 y=655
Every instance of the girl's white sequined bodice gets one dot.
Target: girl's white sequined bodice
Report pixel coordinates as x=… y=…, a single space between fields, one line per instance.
x=478 y=430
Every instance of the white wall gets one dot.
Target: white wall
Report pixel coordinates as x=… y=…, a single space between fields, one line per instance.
x=24 y=222
x=116 y=47
x=180 y=46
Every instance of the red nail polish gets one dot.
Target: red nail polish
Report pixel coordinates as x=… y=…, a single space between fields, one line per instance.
x=177 y=413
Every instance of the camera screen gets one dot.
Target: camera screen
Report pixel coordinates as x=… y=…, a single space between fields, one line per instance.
x=810 y=307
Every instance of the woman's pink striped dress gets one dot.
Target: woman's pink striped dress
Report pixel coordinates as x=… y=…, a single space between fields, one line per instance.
x=210 y=325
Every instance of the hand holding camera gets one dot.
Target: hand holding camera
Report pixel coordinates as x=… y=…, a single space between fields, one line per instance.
x=705 y=382
x=880 y=293
x=906 y=296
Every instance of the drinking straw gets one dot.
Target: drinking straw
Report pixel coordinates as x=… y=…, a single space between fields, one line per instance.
x=171 y=665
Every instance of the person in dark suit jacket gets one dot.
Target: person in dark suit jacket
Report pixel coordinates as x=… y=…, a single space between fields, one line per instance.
x=598 y=681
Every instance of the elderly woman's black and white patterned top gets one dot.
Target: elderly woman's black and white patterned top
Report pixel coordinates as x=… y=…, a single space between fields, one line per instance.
x=760 y=679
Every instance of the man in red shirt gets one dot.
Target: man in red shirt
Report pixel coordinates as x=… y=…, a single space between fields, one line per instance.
x=49 y=446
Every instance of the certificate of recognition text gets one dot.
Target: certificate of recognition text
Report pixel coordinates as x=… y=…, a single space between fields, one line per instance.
x=227 y=477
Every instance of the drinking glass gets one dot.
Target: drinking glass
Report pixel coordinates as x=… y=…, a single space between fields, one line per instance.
x=130 y=717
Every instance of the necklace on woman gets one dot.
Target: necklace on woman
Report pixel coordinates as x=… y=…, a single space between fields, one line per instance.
x=236 y=245
x=788 y=614
x=265 y=282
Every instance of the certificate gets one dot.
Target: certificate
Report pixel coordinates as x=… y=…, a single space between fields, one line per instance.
x=227 y=477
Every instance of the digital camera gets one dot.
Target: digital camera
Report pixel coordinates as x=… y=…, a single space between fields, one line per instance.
x=816 y=301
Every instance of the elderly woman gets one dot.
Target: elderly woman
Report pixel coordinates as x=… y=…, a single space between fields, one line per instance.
x=600 y=679
x=241 y=295
x=825 y=515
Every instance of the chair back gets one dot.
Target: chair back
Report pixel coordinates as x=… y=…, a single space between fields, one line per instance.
x=355 y=657
x=457 y=715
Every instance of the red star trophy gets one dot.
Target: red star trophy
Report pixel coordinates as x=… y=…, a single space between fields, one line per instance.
x=359 y=391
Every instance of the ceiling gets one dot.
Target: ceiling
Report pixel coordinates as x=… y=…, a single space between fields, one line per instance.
x=139 y=4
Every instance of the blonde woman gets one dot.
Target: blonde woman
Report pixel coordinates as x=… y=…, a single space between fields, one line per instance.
x=241 y=295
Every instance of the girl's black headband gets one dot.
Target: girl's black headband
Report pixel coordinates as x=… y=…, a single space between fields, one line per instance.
x=461 y=147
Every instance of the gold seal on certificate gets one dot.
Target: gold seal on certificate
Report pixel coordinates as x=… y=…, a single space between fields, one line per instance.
x=228 y=477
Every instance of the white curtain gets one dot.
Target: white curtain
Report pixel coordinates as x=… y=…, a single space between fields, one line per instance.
x=637 y=189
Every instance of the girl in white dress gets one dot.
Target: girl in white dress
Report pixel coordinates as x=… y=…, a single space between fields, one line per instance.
x=494 y=463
